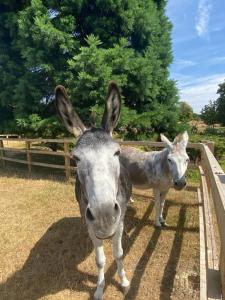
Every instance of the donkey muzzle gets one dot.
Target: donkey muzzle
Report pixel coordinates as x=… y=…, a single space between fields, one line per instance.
x=180 y=184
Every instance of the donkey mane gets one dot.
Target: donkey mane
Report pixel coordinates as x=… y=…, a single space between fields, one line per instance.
x=94 y=137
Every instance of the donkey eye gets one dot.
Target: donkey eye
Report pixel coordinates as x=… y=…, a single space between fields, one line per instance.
x=117 y=153
x=169 y=160
x=76 y=158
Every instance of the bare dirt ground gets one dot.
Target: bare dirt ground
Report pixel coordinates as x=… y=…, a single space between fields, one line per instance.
x=45 y=251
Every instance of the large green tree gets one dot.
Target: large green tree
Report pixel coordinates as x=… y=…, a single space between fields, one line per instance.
x=185 y=111
x=83 y=45
x=209 y=113
x=221 y=104
x=214 y=112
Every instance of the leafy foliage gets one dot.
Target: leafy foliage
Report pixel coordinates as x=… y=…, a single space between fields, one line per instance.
x=221 y=104
x=84 y=45
x=209 y=113
x=214 y=112
x=34 y=126
x=185 y=111
x=215 y=135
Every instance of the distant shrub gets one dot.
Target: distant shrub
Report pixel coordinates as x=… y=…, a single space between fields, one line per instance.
x=211 y=130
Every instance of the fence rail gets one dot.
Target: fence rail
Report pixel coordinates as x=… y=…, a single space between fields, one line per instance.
x=65 y=153
x=211 y=196
x=29 y=151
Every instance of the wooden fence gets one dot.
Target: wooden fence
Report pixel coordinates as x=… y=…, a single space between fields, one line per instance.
x=211 y=196
x=65 y=153
x=29 y=151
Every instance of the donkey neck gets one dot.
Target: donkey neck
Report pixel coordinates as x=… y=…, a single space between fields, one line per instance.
x=163 y=158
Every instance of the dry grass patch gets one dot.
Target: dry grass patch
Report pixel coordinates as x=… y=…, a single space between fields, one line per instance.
x=46 y=252
x=15 y=144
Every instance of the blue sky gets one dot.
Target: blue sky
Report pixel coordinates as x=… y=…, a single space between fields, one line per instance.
x=198 y=39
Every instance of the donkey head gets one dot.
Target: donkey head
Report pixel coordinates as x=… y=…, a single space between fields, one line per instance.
x=97 y=159
x=177 y=158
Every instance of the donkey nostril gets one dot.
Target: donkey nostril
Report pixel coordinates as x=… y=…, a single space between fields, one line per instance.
x=89 y=215
x=176 y=183
x=116 y=207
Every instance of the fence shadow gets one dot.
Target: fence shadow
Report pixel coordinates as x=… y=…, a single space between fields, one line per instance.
x=52 y=263
x=167 y=282
x=130 y=222
x=143 y=261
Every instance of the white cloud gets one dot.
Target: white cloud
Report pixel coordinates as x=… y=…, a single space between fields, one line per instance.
x=198 y=92
x=183 y=63
x=203 y=15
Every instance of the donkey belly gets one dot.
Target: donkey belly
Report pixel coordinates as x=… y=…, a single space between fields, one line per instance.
x=138 y=178
x=135 y=168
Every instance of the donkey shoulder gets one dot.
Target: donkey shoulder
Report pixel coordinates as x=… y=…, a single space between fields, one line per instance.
x=125 y=186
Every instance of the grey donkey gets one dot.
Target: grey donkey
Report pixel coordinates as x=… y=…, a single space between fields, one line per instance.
x=102 y=184
x=159 y=170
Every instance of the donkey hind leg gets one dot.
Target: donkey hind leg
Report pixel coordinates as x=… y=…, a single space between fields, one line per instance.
x=100 y=262
x=157 y=208
x=118 y=255
x=161 y=206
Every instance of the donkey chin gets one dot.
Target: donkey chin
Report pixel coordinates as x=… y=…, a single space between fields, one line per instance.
x=106 y=233
x=179 y=184
x=105 y=237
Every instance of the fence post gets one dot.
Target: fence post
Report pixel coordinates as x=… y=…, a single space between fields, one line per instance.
x=211 y=145
x=67 y=160
x=29 y=159
x=2 y=153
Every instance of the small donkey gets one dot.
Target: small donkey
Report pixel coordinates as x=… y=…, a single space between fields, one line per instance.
x=102 y=186
x=159 y=170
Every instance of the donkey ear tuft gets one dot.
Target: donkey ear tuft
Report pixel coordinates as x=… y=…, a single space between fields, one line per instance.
x=66 y=112
x=166 y=141
x=185 y=138
x=112 y=108
x=182 y=139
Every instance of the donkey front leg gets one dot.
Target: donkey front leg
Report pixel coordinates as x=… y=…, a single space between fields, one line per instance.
x=118 y=255
x=157 y=207
x=161 y=206
x=100 y=262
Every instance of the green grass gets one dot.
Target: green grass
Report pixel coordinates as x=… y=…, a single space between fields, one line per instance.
x=193 y=176
x=217 y=136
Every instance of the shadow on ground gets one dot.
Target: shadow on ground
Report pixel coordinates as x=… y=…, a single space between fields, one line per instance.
x=52 y=263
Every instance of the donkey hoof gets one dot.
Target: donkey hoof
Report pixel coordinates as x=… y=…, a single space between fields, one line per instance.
x=98 y=295
x=164 y=224
x=125 y=289
x=158 y=225
x=125 y=285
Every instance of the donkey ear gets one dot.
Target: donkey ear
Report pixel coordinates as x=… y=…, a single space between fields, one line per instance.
x=166 y=141
x=112 y=108
x=66 y=112
x=182 y=139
